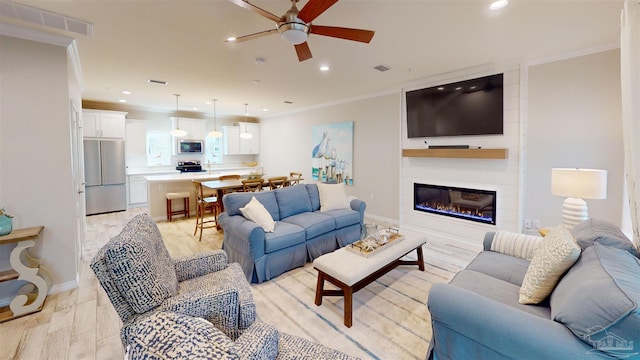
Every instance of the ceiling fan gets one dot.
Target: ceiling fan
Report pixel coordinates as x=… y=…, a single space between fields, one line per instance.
x=295 y=26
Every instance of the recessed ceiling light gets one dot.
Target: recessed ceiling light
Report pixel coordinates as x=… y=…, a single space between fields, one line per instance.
x=459 y=88
x=288 y=102
x=195 y=108
x=122 y=100
x=265 y=109
x=231 y=39
x=382 y=68
x=258 y=61
x=498 y=4
x=256 y=81
x=441 y=88
x=324 y=68
x=126 y=92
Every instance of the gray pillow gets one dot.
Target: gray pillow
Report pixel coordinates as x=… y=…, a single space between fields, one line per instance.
x=598 y=298
x=593 y=231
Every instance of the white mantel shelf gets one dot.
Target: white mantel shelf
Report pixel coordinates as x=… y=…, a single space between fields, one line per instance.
x=501 y=153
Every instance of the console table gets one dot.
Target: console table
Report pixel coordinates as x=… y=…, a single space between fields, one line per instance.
x=31 y=296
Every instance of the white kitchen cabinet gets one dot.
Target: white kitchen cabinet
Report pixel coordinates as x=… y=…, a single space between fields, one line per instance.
x=235 y=145
x=103 y=124
x=137 y=190
x=195 y=128
x=231 y=139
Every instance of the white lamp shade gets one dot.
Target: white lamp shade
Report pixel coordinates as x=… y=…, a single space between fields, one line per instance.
x=579 y=183
x=178 y=133
x=246 y=135
x=214 y=134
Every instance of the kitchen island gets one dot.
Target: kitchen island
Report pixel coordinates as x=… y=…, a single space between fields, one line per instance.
x=159 y=185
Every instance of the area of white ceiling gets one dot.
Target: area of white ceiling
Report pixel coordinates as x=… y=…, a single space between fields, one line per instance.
x=182 y=42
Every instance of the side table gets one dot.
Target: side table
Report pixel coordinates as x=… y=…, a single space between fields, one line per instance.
x=31 y=296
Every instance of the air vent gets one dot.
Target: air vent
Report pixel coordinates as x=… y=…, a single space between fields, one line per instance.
x=382 y=68
x=157 y=82
x=45 y=18
x=288 y=102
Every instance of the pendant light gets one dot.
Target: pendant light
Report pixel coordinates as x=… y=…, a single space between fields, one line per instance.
x=177 y=132
x=215 y=133
x=246 y=134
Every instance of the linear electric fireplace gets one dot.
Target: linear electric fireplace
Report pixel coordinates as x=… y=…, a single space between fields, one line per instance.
x=469 y=204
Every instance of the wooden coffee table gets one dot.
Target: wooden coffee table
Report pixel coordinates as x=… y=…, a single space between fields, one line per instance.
x=351 y=272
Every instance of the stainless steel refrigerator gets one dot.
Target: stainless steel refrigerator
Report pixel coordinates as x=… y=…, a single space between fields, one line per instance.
x=105 y=177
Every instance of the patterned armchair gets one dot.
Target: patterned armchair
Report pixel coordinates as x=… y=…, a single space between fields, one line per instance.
x=140 y=277
x=168 y=335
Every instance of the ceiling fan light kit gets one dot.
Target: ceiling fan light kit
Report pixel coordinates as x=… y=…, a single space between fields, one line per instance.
x=295 y=26
x=294 y=32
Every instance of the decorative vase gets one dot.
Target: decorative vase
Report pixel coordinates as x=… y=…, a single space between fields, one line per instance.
x=6 y=225
x=372 y=232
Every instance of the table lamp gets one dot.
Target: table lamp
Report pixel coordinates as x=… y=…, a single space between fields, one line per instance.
x=576 y=185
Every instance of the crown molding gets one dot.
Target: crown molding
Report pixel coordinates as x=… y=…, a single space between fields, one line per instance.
x=22 y=32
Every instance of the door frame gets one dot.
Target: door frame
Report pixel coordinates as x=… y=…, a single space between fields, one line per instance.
x=77 y=151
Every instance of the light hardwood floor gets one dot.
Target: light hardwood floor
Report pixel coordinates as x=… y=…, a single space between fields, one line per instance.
x=81 y=323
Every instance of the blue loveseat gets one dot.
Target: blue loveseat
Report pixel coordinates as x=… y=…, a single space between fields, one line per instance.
x=302 y=232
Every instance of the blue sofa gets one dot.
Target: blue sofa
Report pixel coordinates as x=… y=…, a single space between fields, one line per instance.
x=592 y=313
x=302 y=232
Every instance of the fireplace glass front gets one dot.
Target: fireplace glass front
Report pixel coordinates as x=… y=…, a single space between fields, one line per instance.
x=469 y=204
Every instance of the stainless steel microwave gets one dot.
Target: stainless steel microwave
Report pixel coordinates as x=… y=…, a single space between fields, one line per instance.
x=190 y=146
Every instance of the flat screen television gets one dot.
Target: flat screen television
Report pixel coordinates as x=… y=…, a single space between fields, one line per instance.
x=470 y=107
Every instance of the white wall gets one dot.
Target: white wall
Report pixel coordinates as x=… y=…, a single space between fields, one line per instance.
x=574 y=120
x=286 y=146
x=572 y=113
x=500 y=175
x=36 y=183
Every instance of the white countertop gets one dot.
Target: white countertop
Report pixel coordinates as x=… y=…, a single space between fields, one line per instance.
x=204 y=175
x=166 y=170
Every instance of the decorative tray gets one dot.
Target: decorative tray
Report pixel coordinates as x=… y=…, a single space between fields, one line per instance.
x=368 y=246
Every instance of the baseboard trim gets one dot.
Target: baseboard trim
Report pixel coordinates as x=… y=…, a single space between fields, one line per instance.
x=64 y=286
x=380 y=219
x=53 y=290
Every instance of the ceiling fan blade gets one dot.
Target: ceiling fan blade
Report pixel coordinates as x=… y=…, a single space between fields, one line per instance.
x=303 y=51
x=364 y=36
x=314 y=8
x=249 y=6
x=252 y=36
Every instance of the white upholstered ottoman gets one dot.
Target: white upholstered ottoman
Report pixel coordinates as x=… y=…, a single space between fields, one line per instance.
x=351 y=272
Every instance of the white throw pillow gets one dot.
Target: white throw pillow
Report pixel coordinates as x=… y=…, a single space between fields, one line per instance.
x=256 y=212
x=557 y=253
x=333 y=196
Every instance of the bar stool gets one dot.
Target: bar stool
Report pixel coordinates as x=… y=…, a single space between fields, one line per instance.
x=203 y=203
x=184 y=195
